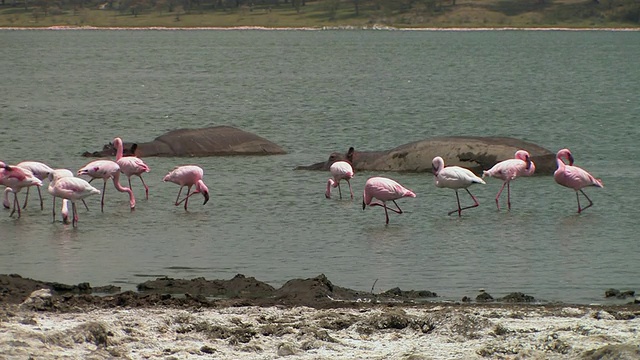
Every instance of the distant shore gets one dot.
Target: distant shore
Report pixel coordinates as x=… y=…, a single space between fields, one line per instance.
x=322 y=28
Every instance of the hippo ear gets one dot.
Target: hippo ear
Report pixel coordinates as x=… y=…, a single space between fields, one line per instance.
x=350 y=154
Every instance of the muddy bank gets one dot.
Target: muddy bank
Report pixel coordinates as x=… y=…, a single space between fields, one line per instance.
x=318 y=292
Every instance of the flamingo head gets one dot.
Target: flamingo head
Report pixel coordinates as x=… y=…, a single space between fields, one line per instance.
x=565 y=154
x=437 y=164
x=203 y=189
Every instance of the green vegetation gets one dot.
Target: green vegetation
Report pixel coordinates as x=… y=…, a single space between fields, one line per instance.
x=322 y=13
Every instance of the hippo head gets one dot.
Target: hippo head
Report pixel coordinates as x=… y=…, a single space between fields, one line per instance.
x=110 y=150
x=336 y=156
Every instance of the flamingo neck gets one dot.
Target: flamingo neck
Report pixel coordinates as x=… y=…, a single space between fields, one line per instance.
x=119 y=150
x=116 y=183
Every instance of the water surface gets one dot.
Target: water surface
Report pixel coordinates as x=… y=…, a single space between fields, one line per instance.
x=314 y=92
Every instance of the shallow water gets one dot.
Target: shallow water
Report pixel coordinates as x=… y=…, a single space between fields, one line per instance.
x=314 y=92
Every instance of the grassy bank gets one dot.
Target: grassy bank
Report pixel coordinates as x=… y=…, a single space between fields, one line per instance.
x=324 y=13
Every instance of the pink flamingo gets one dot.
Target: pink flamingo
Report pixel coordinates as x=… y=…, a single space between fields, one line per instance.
x=510 y=169
x=384 y=189
x=40 y=171
x=131 y=165
x=16 y=178
x=72 y=189
x=105 y=170
x=54 y=176
x=574 y=177
x=339 y=170
x=188 y=175
x=455 y=177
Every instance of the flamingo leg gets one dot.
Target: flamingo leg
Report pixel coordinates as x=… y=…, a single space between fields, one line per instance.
x=459 y=210
x=53 y=210
x=178 y=197
x=186 y=198
x=588 y=199
x=500 y=193
x=40 y=196
x=350 y=190
x=26 y=198
x=104 y=190
x=16 y=205
x=509 y=195
x=340 y=191
x=146 y=188
x=85 y=204
x=386 y=214
x=74 y=222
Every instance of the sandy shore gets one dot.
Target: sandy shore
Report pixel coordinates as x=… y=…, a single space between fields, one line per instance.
x=435 y=331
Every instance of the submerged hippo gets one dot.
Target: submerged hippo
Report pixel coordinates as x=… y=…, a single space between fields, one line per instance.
x=473 y=152
x=210 y=141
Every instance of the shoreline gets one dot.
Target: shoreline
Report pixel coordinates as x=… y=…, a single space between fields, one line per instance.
x=306 y=319
x=323 y=28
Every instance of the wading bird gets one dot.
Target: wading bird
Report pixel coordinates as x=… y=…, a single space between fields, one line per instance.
x=72 y=189
x=510 y=169
x=574 y=177
x=188 y=175
x=455 y=177
x=340 y=170
x=16 y=178
x=131 y=165
x=384 y=189
x=105 y=170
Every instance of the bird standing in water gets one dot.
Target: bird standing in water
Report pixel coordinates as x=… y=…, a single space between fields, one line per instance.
x=574 y=177
x=384 y=189
x=455 y=177
x=510 y=169
x=188 y=175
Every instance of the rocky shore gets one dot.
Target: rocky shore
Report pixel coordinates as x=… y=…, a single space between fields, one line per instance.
x=243 y=318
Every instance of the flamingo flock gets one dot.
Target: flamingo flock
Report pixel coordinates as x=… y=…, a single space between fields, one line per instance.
x=378 y=191
x=72 y=188
x=455 y=177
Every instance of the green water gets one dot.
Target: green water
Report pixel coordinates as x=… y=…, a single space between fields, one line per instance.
x=314 y=92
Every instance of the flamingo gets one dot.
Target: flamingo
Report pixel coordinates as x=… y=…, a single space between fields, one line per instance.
x=54 y=176
x=510 y=169
x=455 y=177
x=339 y=170
x=105 y=170
x=72 y=189
x=188 y=175
x=16 y=178
x=40 y=171
x=131 y=165
x=384 y=189
x=574 y=177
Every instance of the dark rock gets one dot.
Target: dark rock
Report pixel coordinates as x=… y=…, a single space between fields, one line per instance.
x=484 y=297
x=518 y=297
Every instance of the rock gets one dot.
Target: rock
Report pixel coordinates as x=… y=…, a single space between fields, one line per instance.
x=484 y=297
x=39 y=300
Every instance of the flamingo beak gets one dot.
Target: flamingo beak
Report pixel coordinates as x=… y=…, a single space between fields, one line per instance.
x=363 y=205
x=206 y=197
x=570 y=159
x=528 y=163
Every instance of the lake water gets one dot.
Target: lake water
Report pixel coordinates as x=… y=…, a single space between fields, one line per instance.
x=314 y=92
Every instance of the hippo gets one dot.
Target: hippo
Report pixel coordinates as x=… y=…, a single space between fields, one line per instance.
x=473 y=152
x=209 y=141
